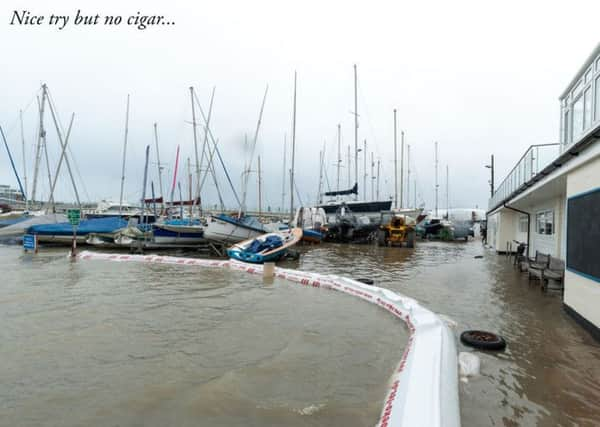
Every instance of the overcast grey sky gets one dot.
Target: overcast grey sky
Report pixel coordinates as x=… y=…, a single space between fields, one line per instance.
x=478 y=77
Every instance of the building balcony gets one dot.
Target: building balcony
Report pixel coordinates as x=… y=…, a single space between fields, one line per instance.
x=525 y=173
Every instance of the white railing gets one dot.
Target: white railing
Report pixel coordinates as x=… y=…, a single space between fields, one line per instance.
x=535 y=159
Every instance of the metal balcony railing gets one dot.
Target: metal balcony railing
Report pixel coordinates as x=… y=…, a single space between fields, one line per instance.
x=535 y=159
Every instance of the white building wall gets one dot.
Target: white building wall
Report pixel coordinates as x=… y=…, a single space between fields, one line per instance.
x=502 y=229
x=547 y=243
x=583 y=294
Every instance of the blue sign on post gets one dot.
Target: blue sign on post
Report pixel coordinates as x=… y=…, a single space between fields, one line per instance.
x=29 y=242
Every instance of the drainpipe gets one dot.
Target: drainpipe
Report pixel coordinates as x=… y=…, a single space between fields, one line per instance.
x=528 y=222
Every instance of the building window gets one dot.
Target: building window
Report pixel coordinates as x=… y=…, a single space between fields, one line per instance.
x=545 y=222
x=577 y=117
x=577 y=89
x=587 y=108
x=597 y=100
x=523 y=224
x=566 y=128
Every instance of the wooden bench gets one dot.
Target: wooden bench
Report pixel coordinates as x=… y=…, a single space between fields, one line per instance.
x=536 y=266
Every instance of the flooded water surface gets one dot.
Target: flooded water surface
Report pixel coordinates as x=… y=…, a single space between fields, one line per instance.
x=100 y=343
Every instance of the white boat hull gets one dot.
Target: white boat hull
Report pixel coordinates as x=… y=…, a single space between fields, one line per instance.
x=225 y=232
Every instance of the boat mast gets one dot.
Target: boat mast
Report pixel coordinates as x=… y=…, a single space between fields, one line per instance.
x=436 y=178
x=284 y=173
x=124 y=156
x=174 y=176
x=195 y=151
x=365 y=169
x=408 y=176
x=339 y=157
x=349 y=167
x=401 y=169
x=11 y=159
x=180 y=200
x=320 y=190
x=160 y=168
x=210 y=165
x=143 y=204
x=372 y=177
x=214 y=150
x=415 y=192
x=40 y=141
x=378 y=165
x=259 y=190
x=447 y=194
x=293 y=152
x=395 y=163
x=355 y=130
x=252 y=148
x=24 y=165
x=63 y=145
x=63 y=155
x=189 y=170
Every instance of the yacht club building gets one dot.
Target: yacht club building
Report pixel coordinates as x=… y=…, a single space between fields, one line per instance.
x=551 y=198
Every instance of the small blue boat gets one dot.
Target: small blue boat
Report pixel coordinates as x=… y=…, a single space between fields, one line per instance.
x=265 y=248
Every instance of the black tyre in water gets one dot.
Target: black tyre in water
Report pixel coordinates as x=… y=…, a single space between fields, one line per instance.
x=483 y=340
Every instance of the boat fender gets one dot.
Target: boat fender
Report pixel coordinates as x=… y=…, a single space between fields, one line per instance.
x=469 y=365
x=365 y=280
x=483 y=340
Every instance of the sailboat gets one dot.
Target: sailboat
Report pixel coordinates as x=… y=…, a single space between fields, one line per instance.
x=224 y=228
x=15 y=231
x=358 y=207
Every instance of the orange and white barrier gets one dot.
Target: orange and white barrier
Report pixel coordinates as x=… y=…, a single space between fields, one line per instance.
x=424 y=387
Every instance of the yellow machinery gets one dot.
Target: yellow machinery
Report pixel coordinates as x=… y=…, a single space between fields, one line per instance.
x=396 y=230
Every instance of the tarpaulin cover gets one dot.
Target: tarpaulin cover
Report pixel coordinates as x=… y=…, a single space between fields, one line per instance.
x=95 y=225
x=270 y=242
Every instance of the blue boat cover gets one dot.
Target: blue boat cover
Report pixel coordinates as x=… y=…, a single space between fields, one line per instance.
x=11 y=221
x=270 y=242
x=185 y=221
x=87 y=226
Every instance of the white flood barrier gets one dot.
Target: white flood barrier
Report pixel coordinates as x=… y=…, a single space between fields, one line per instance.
x=424 y=387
